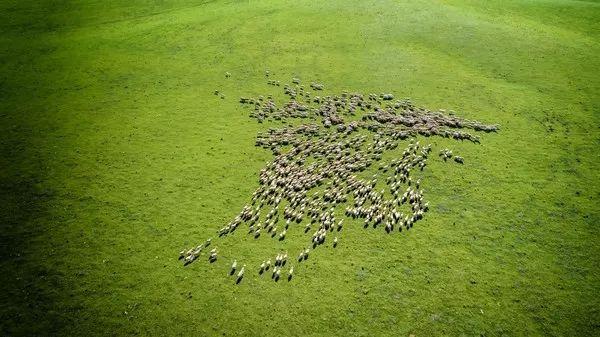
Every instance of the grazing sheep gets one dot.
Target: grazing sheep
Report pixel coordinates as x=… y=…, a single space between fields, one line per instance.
x=213 y=255
x=316 y=86
x=233 y=267
x=240 y=275
x=277 y=274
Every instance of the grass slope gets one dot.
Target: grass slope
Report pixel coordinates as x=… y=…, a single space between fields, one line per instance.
x=116 y=155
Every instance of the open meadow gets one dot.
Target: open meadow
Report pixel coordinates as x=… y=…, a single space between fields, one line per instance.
x=116 y=154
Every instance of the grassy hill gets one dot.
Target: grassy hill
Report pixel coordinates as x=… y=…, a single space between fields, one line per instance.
x=116 y=155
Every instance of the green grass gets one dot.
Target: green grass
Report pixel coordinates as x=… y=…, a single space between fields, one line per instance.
x=116 y=155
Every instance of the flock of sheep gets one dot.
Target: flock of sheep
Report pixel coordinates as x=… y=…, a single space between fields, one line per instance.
x=324 y=164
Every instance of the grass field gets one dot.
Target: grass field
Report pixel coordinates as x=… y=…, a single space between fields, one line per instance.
x=116 y=155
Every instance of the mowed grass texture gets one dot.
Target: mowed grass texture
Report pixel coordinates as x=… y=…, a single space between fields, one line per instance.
x=116 y=155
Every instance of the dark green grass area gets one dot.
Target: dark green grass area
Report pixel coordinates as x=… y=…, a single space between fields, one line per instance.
x=116 y=155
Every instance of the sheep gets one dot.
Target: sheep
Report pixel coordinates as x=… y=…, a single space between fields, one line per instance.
x=233 y=267
x=240 y=275
x=317 y=86
x=189 y=259
x=277 y=274
x=213 y=256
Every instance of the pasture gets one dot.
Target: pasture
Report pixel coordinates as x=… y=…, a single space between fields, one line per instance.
x=117 y=154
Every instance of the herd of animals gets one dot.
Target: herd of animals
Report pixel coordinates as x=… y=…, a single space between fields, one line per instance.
x=329 y=165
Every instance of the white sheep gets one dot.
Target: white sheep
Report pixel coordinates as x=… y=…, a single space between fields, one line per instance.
x=241 y=273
